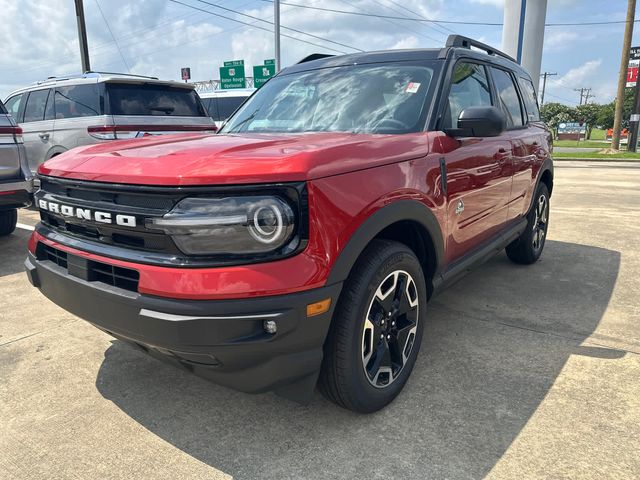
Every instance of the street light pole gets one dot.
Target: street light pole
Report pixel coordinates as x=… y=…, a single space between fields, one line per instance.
x=276 y=28
x=544 y=84
x=82 y=36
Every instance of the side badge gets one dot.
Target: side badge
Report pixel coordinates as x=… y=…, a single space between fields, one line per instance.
x=459 y=207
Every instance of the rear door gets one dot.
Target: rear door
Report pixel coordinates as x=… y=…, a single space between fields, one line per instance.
x=140 y=109
x=9 y=153
x=37 y=126
x=523 y=140
x=478 y=169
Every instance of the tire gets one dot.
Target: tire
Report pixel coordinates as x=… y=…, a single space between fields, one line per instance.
x=8 y=221
x=527 y=248
x=376 y=332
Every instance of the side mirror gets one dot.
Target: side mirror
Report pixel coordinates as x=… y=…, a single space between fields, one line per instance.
x=479 y=122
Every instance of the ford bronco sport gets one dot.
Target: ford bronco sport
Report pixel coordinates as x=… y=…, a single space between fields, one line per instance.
x=300 y=245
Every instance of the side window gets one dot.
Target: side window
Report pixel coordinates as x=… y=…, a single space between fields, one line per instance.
x=77 y=101
x=469 y=88
x=530 y=100
x=34 y=109
x=49 y=112
x=213 y=109
x=13 y=106
x=508 y=98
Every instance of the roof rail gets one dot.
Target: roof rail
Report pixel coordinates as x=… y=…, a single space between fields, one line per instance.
x=121 y=74
x=466 y=42
x=314 y=56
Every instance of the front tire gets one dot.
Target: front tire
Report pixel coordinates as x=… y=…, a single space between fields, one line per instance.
x=527 y=248
x=8 y=221
x=377 y=329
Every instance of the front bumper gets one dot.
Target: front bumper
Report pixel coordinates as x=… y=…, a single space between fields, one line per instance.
x=15 y=194
x=223 y=340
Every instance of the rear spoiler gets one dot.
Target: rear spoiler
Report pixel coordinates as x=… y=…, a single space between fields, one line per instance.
x=314 y=56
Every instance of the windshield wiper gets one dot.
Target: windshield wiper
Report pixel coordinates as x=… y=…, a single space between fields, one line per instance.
x=166 y=110
x=250 y=117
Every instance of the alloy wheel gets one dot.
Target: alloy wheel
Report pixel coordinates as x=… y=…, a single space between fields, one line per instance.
x=390 y=328
x=540 y=222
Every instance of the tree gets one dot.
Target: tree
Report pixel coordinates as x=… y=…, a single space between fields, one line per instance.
x=606 y=115
x=588 y=114
x=555 y=113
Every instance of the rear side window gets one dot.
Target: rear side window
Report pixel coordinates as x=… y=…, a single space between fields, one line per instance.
x=156 y=100
x=508 y=97
x=36 y=103
x=469 y=88
x=2 y=109
x=530 y=100
x=78 y=101
x=13 y=106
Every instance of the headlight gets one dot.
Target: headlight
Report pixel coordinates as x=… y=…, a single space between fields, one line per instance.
x=232 y=225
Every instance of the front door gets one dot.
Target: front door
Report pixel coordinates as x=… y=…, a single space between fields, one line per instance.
x=478 y=170
x=37 y=127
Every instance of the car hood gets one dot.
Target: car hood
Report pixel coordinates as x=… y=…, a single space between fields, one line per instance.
x=196 y=159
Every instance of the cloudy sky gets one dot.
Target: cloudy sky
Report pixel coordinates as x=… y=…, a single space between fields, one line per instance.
x=156 y=37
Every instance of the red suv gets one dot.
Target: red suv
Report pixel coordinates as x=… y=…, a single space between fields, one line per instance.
x=301 y=244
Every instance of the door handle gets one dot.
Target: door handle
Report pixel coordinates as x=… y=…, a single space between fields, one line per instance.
x=44 y=136
x=502 y=155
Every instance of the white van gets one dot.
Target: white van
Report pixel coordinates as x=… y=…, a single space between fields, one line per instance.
x=222 y=103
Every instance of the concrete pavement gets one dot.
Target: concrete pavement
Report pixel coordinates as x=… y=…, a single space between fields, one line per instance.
x=524 y=372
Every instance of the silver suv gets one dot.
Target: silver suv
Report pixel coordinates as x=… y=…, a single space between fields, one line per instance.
x=59 y=114
x=16 y=183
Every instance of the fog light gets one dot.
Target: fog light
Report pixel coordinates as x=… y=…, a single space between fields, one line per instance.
x=270 y=326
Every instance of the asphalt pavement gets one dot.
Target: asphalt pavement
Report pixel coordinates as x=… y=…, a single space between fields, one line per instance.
x=524 y=372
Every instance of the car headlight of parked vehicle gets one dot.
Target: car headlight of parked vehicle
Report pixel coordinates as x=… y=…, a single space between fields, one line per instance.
x=232 y=225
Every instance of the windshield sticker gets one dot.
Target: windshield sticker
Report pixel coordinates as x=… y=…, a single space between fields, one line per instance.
x=412 y=87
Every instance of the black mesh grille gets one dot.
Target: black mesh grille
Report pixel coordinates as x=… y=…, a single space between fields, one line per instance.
x=90 y=270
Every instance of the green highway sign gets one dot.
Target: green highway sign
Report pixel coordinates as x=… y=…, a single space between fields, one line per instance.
x=262 y=73
x=271 y=61
x=232 y=75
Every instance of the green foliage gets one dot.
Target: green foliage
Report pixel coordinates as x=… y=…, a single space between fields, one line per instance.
x=555 y=113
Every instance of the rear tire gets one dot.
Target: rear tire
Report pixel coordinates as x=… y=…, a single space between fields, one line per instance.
x=527 y=248
x=8 y=221
x=376 y=330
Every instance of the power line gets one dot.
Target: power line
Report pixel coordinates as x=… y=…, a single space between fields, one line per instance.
x=256 y=26
x=410 y=29
x=449 y=22
x=112 y=36
x=444 y=28
x=271 y=23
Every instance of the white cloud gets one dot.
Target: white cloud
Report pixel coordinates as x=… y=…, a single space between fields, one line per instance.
x=559 y=39
x=495 y=3
x=408 y=42
x=579 y=76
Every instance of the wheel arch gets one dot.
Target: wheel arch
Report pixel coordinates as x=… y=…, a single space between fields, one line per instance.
x=406 y=221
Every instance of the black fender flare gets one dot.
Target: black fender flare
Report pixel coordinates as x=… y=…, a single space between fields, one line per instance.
x=400 y=210
x=547 y=166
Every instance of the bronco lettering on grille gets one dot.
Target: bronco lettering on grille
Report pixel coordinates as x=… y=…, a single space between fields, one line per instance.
x=87 y=214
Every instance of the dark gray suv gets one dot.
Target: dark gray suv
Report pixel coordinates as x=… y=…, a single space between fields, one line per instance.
x=16 y=182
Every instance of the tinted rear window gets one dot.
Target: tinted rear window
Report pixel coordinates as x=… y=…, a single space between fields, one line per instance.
x=157 y=100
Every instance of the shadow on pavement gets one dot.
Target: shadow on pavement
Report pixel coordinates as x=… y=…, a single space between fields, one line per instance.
x=494 y=346
x=13 y=251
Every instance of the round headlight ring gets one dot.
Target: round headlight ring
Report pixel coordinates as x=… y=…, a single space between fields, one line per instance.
x=263 y=232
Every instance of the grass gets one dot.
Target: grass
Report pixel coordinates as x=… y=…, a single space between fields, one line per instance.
x=581 y=144
x=598 y=134
x=605 y=156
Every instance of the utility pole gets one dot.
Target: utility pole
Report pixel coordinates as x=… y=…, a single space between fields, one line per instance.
x=622 y=77
x=588 y=95
x=82 y=37
x=581 y=90
x=276 y=29
x=544 y=84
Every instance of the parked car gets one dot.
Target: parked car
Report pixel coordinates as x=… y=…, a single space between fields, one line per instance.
x=221 y=104
x=302 y=243
x=16 y=182
x=59 y=114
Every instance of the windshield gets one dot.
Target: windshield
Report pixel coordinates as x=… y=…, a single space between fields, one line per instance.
x=150 y=99
x=387 y=98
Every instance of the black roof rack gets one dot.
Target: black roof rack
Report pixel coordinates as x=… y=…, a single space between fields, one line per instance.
x=314 y=56
x=460 y=41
